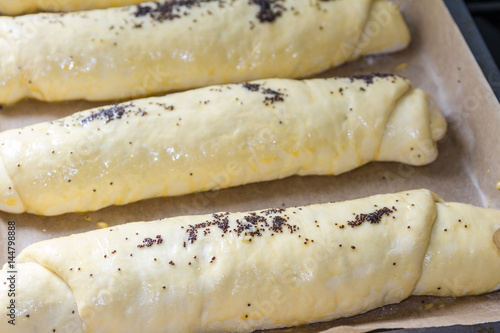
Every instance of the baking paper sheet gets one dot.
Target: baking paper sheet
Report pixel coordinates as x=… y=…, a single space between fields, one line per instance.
x=437 y=61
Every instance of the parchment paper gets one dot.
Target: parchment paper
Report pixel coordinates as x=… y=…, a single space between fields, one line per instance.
x=440 y=62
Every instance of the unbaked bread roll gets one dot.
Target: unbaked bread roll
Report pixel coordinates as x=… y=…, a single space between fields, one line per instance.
x=238 y=272
x=215 y=137
x=155 y=47
x=18 y=7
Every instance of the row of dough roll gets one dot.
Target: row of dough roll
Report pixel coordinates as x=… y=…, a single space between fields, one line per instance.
x=155 y=47
x=238 y=272
x=224 y=272
x=215 y=137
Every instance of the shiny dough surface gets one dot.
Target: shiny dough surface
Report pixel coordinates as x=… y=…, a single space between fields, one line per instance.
x=18 y=7
x=133 y=51
x=244 y=271
x=215 y=137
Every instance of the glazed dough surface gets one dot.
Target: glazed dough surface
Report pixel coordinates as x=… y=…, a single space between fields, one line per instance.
x=18 y=7
x=215 y=137
x=244 y=271
x=55 y=308
x=465 y=250
x=151 y=48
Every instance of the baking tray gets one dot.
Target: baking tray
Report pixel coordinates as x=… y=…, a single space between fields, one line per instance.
x=477 y=45
x=439 y=61
x=461 y=15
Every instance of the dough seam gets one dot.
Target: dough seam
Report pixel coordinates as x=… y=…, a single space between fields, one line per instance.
x=10 y=200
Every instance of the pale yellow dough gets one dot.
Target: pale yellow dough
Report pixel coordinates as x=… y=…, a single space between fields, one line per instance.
x=133 y=51
x=215 y=137
x=18 y=7
x=260 y=278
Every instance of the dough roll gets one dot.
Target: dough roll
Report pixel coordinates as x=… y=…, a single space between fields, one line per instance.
x=215 y=137
x=238 y=272
x=18 y=7
x=154 y=47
